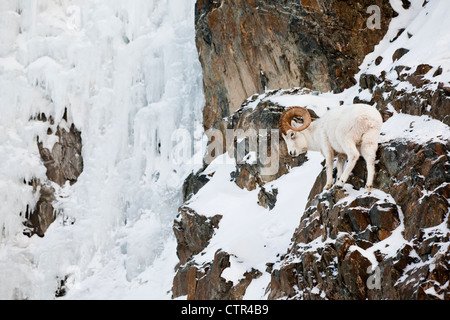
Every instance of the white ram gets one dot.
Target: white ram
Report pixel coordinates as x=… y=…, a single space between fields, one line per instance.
x=345 y=132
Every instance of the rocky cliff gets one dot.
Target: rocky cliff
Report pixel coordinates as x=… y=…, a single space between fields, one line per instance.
x=234 y=232
x=246 y=47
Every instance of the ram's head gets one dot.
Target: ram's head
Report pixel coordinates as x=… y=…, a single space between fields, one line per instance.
x=293 y=123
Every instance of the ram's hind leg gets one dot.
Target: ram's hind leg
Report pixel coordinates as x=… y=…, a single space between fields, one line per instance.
x=368 y=152
x=340 y=165
x=352 y=157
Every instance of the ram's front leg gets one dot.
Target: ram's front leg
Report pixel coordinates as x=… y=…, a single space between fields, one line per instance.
x=329 y=162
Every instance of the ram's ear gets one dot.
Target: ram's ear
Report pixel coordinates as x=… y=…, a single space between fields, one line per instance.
x=313 y=114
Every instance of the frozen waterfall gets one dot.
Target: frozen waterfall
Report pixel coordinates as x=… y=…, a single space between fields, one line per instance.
x=128 y=74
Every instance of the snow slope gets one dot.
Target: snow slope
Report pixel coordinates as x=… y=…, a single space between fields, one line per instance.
x=129 y=75
x=425 y=35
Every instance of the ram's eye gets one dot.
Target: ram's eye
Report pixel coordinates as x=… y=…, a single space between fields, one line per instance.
x=292 y=135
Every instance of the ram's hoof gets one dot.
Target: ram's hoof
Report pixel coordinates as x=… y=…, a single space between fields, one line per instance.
x=340 y=184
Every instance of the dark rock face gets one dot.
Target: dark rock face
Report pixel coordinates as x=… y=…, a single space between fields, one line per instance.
x=203 y=282
x=246 y=47
x=267 y=198
x=43 y=215
x=193 y=233
x=64 y=163
x=330 y=251
x=399 y=53
x=417 y=178
x=193 y=183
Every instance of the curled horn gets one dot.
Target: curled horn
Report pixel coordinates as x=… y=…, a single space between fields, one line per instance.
x=290 y=114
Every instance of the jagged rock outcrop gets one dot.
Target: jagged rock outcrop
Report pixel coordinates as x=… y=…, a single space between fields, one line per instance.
x=246 y=47
x=64 y=163
x=410 y=92
x=43 y=215
x=264 y=116
x=203 y=281
x=382 y=246
x=193 y=233
x=267 y=198
x=194 y=182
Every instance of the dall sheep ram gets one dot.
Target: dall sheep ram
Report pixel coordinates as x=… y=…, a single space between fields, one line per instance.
x=347 y=132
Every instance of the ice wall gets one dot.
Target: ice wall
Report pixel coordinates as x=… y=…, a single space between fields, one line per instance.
x=128 y=73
